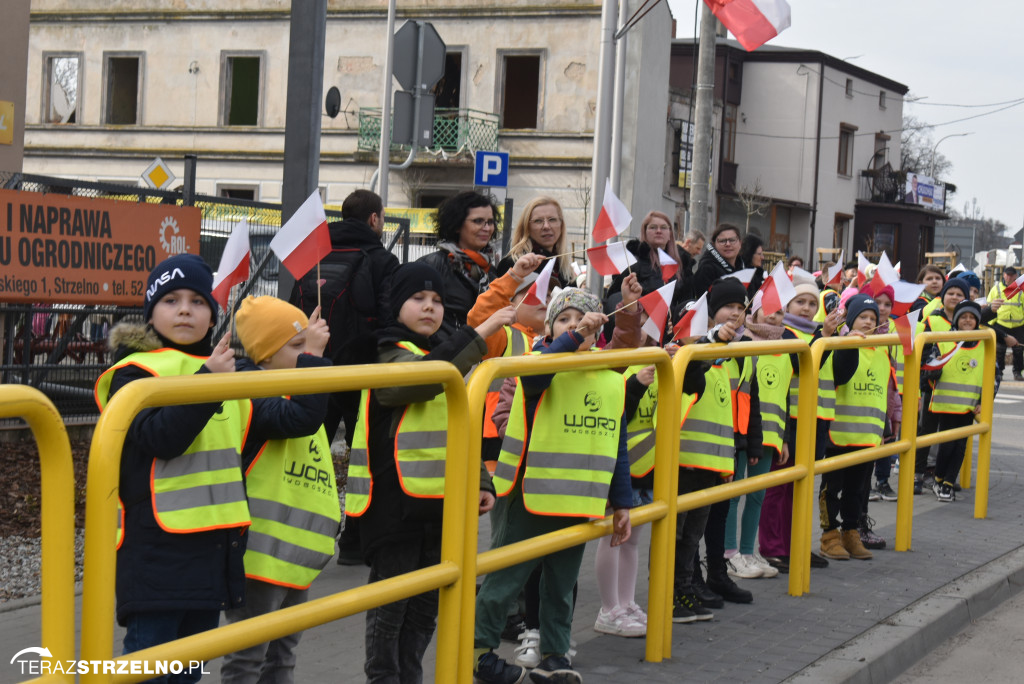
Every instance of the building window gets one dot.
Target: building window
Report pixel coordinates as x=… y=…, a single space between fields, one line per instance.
x=62 y=87
x=448 y=91
x=242 y=88
x=840 y=229
x=885 y=239
x=123 y=86
x=846 y=134
x=729 y=134
x=520 y=91
x=881 y=99
x=849 y=87
x=682 y=154
x=241 y=192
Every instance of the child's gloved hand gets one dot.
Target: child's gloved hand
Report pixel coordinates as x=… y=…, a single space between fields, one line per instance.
x=222 y=360
x=317 y=334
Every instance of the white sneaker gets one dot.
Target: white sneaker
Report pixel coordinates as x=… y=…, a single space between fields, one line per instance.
x=618 y=622
x=636 y=612
x=742 y=567
x=766 y=568
x=527 y=653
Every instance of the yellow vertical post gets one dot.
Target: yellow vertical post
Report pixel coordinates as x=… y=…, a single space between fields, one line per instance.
x=908 y=432
x=988 y=393
x=965 y=467
x=803 y=489
x=660 y=589
x=57 y=515
x=461 y=501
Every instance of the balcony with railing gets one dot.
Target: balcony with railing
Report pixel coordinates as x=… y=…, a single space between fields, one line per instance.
x=455 y=130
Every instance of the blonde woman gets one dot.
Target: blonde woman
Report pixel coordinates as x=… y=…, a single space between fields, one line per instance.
x=540 y=230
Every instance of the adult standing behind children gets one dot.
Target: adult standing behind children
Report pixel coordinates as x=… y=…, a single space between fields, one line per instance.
x=178 y=564
x=465 y=225
x=721 y=258
x=541 y=230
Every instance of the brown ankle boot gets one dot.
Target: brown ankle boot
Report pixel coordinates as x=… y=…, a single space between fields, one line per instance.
x=832 y=546
x=853 y=544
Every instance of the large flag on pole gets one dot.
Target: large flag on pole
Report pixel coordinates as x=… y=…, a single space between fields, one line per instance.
x=753 y=22
x=610 y=259
x=614 y=217
x=305 y=239
x=234 y=264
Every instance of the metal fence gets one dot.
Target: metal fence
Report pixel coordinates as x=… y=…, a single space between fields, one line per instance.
x=62 y=348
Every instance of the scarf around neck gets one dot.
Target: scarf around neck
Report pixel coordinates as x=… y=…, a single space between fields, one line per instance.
x=763 y=331
x=723 y=263
x=475 y=265
x=799 y=323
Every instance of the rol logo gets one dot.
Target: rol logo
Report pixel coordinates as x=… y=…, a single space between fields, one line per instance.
x=592 y=402
x=722 y=392
x=768 y=376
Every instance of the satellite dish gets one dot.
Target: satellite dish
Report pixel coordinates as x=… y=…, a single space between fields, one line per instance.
x=60 y=102
x=333 y=102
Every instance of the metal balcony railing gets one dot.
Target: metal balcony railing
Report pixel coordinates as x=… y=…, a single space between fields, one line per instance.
x=455 y=130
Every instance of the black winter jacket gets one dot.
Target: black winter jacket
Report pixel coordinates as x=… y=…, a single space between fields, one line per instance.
x=158 y=570
x=460 y=291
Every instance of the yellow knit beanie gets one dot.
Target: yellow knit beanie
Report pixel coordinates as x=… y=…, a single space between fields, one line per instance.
x=265 y=324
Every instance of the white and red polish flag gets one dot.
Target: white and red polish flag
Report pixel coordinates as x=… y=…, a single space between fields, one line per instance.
x=744 y=276
x=885 y=274
x=834 y=276
x=610 y=259
x=537 y=294
x=1014 y=288
x=906 y=326
x=305 y=239
x=937 y=363
x=905 y=295
x=234 y=264
x=959 y=268
x=657 y=305
x=862 y=269
x=614 y=217
x=669 y=266
x=777 y=290
x=753 y=22
x=695 y=322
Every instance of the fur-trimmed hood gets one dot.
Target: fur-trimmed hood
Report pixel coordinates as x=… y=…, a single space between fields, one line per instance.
x=133 y=336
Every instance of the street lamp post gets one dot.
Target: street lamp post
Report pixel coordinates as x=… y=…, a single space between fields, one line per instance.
x=931 y=168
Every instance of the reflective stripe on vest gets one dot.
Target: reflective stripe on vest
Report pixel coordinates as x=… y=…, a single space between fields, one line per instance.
x=517 y=344
x=959 y=387
x=773 y=374
x=937 y=323
x=359 y=481
x=640 y=437
x=421 y=443
x=573 y=445
x=201 y=489
x=293 y=502
x=861 y=403
x=706 y=438
x=896 y=354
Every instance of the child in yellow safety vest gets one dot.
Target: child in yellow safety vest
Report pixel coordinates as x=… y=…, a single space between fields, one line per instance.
x=862 y=381
x=955 y=396
x=397 y=467
x=289 y=480
x=933 y=278
x=180 y=542
x=563 y=457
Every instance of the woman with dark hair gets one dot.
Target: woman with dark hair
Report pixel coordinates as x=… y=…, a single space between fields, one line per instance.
x=721 y=257
x=465 y=226
x=540 y=230
x=752 y=254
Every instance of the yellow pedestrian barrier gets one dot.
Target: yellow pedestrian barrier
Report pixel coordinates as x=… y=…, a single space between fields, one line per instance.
x=57 y=516
x=101 y=510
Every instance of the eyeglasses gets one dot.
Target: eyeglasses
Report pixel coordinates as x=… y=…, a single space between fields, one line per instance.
x=658 y=226
x=490 y=223
x=726 y=241
x=549 y=220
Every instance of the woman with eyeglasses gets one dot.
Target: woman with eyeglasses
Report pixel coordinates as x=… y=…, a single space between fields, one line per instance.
x=656 y=236
x=465 y=226
x=721 y=257
x=541 y=230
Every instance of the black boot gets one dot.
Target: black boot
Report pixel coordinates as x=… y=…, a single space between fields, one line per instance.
x=720 y=583
x=707 y=597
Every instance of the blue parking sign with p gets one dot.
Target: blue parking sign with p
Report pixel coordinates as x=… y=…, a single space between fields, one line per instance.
x=491 y=169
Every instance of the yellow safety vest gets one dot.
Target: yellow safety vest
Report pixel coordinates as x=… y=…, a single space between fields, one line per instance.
x=295 y=513
x=573 y=445
x=773 y=378
x=202 y=489
x=517 y=344
x=861 y=403
x=706 y=438
x=896 y=354
x=1011 y=313
x=937 y=323
x=826 y=385
x=933 y=304
x=740 y=372
x=959 y=387
x=640 y=437
x=421 y=443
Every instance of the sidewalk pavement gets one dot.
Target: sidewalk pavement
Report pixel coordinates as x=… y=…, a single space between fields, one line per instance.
x=861 y=621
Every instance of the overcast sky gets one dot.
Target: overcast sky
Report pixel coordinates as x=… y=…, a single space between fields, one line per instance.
x=948 y=53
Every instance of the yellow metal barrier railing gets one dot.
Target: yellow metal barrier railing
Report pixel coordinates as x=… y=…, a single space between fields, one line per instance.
x=658 y=512
x=101 y=511
x=912 y=387
x=57 y=516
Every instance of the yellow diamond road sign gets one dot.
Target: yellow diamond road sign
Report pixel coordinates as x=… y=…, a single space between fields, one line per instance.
x=158 y=175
